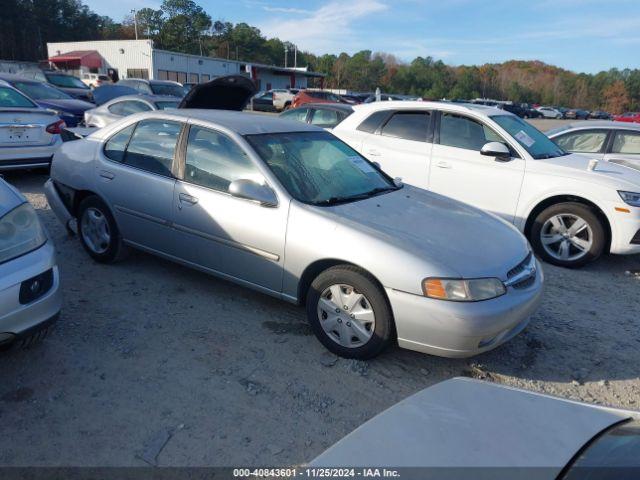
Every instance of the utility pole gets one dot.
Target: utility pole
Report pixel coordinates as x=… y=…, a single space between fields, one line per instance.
x=286 y=51
x=295 y=57
x=135 y=21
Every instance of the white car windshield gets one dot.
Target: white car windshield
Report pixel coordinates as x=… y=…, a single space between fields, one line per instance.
x=317 y=168
x=532 y=140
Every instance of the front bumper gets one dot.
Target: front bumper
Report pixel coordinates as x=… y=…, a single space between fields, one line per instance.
x=58 y=206
x=624 y=228
x=463 y=329
x=18 y=318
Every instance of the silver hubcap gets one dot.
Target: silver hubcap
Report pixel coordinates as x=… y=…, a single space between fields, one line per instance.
x=95 y=230
x=346 y=316
x=566 y=237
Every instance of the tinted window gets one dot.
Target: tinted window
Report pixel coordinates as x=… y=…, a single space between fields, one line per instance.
x=166 y=89
x=408 y=126
x=373 y=121
x=461 y=132
x=116 y=145
x=626 y=142
x=299 y=114
x=590 y=141
x=40 y=91
x=214 y=161
x=325 y=118
x=66 y=81
x=12 y=98
x=128 y=107
x=152 y=146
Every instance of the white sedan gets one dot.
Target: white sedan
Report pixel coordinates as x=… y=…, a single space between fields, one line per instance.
x=29 y=134
x=571 y=208
x=549 y=112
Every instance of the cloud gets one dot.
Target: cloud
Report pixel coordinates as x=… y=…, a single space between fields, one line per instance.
x=327 y=29
x=286 y=10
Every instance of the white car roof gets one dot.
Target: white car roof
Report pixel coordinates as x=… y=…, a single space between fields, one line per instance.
x=421 y=105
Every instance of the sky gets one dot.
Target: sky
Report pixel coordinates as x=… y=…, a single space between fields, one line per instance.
x=580 y=35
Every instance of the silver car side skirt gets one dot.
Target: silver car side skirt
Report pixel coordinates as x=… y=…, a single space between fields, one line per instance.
x=216 y=273
x=230 y=243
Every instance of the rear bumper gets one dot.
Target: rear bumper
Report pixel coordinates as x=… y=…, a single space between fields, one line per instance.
x=12 y=158
x=21 y=317
x=463 y=329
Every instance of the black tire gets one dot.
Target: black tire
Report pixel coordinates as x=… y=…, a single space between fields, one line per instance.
x=579 y=210
x=287 y=105
x=363 y=283
x=115 y=249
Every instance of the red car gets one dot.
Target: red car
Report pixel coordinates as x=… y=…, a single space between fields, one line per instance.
x=314 y=96
x=633 y=117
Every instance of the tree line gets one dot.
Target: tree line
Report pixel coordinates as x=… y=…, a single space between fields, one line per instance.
x=184 y=26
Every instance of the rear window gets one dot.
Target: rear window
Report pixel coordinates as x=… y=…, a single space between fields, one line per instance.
x=167 y=89
x=11 y=98
x=408 y=126
x=66 y=81
x=373 y=121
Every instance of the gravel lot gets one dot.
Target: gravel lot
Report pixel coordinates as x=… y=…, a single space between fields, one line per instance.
x=154 y=363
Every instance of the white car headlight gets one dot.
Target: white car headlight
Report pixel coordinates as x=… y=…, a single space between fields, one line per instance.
x=630 y=198
x=20 y=232
x=458 y=290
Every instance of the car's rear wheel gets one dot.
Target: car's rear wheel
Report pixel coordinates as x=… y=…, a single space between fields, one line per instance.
x=98 y=231
x=349 y=312
x=568 y=234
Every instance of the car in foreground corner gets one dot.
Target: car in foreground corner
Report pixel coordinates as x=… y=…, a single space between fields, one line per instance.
x=324 y=115
x=29 y=134
x=290 y=210
x=471 y=429
x=617 y=142
x=30 y=298
x=571 y=208
x=120 y=107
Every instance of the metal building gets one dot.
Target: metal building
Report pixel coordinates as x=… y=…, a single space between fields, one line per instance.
x=139 y=59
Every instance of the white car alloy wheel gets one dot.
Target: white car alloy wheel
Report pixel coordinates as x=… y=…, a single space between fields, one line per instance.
x=566 y=237
x=95 y=230
x=346 y=316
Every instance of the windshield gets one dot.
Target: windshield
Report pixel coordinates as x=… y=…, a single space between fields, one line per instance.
x=166 y=105
x=532 y=140
x=11 y=98
x=66 y=81
x=41 y=91
x=317 y=168
x=167 y=89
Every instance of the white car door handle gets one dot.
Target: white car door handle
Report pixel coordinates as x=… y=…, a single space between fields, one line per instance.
x=443 y=165
x=374 y=153
x=107 y=175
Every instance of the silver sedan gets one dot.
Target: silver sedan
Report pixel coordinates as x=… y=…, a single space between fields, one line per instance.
x=290 y=210
x=125 y=105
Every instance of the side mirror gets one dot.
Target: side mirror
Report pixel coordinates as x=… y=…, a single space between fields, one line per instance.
x=496 y=149
x=398 y=182
x=250 y=190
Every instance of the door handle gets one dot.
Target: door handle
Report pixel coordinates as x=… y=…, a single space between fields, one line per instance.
x=186 y=198
x=443 y=165
x=107 y=175
x=374 y=153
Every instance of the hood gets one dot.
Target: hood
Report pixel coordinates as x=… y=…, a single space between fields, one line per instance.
x=9 y=198
x=576 y=166
x=452 y=234
x=473 y=425
x=73 y=106
x=108 y=92
x=230 y=92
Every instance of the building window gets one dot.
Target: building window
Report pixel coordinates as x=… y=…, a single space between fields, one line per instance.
x=182 y=77
x=268 y=86
x=173 y=76
x=204 y=78
x=163 y=75
x=138 y=73
x=193 y=78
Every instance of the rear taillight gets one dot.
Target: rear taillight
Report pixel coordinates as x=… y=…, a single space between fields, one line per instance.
x=56 y=128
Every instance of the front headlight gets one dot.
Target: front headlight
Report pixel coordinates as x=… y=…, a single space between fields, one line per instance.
x=20 y=232
x=630 y=198
x=458 y=290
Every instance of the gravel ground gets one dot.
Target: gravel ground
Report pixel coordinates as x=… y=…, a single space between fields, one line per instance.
x=154 y=363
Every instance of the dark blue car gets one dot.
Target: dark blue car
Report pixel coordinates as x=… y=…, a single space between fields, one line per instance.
x=69 y=109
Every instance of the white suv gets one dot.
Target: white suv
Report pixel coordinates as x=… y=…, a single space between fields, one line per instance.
x=571 y=208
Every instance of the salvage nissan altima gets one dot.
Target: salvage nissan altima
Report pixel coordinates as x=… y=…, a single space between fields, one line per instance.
x=290 y=210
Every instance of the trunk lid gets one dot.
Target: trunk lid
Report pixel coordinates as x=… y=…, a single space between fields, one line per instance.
x=230 y=92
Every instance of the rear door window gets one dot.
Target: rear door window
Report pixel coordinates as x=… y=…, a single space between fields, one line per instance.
x=626 y=142
x=153 y=145
x=298 y=114
x=115 y=147
x=325 y=118
x=408 y=126
x=373 y=121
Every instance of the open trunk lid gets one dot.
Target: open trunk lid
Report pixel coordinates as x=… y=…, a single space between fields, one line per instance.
x=230 y=92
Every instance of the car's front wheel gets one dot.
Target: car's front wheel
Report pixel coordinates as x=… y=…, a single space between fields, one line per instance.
x=568 y=234
x=98 y=231
x=349 y=312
